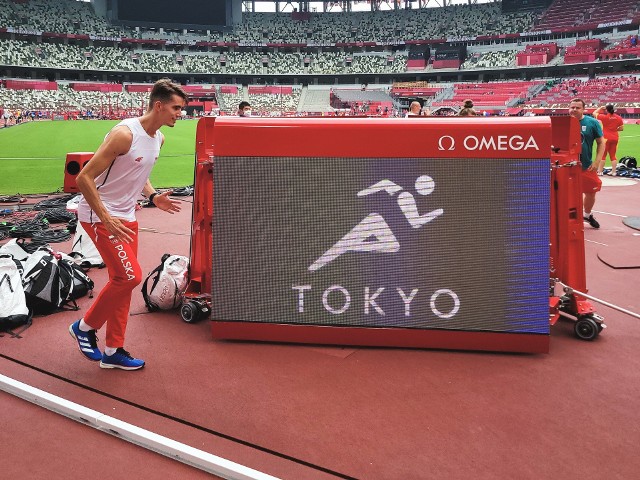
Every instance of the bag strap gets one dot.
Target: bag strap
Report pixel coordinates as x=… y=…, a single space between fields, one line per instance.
x=24 y=327
x=145 y=291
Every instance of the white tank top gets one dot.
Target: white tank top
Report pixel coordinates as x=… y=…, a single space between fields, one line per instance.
x=122 y=182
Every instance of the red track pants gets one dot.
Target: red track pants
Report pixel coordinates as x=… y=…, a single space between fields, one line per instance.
x=112 y=304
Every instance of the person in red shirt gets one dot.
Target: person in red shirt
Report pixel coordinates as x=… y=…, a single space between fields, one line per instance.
x=611 y=124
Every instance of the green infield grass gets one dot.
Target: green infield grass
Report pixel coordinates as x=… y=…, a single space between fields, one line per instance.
x=32 y=155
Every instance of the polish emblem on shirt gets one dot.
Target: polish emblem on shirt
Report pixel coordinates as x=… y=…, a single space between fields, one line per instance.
x=139 y=159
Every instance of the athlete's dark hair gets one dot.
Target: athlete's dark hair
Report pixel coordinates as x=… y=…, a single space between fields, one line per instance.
x=163 y=90
x=243 y=104
x=611 y=109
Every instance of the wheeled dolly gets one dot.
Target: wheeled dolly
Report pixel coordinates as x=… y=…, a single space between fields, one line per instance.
x=572 y=305
x=195 y=308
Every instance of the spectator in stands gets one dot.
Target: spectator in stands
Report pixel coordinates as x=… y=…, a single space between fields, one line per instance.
x=611 y=124
x=244 y=109
x=415 y=110
x=467 y=109
x=591 y=183
x=121 y=167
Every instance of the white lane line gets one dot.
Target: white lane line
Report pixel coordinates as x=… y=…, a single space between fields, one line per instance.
x=612 y=214
x=126 y=431
x=592 y=241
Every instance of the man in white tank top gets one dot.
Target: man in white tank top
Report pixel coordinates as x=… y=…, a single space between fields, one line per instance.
x=110 y=184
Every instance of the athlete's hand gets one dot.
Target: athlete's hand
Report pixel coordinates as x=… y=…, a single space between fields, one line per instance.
x=164 y=202
x=116 y=228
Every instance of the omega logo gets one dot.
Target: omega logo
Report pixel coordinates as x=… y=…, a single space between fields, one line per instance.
x=494 y=142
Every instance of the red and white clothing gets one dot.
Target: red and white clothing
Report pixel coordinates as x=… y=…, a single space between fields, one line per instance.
x=610 y=125
x=119 y=187
x=111 y=306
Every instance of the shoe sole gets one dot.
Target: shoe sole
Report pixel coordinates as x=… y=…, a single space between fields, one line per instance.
x=121 y=367
x=73 y=335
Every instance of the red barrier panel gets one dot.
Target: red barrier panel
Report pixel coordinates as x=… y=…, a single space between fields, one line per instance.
x=228 y=89
x=30 y=85
x=96 y=87
x=447 y=64
x=139 y=87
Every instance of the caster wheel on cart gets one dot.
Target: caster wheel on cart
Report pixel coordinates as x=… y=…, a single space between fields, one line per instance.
x=587 y=328
x=190 y=312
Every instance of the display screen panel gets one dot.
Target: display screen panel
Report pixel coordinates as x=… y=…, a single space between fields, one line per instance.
x=417 y=243
x=191 y=12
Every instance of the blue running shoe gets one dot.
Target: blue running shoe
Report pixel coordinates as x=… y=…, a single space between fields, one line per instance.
x=121 y=359
x=87 y=342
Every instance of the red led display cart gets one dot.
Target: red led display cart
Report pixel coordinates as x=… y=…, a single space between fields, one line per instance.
x=366 y=232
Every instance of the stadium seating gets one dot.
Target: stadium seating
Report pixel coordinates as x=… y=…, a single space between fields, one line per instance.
x=619 y=90
x=496 y=59
x=283 y=100
x=317 y=99
x=70 y=16
x=346 y=43
x=490 y=95
x=229 y=97
x=565 y=14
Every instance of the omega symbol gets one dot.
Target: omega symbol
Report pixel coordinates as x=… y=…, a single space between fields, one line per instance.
x=444 y=140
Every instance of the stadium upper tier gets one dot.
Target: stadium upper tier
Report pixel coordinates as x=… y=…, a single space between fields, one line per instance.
x=468 y=21
x=70 y=16
x=68 y=35
x=104 y=58
x=25 y=53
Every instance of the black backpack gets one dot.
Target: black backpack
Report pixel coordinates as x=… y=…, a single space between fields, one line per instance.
x=629 y=162
x=82 y=284
x=51 y=283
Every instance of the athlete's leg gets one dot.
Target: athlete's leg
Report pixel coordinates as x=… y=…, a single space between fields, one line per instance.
x=112 y=304
x=611 y=150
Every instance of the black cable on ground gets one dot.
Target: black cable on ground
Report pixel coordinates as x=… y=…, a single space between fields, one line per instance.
x=56 y=215
x=51 y=236
x=12 y=198
x=4 y=229
x=58 y=202
x=182 y=191
x=27 y=228
x=5 y=226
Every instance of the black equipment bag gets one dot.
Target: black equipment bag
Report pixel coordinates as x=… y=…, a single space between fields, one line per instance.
x=48 y=283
